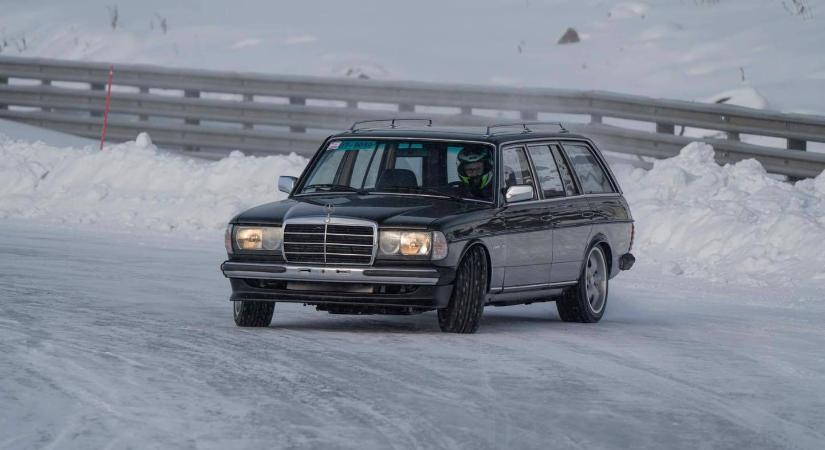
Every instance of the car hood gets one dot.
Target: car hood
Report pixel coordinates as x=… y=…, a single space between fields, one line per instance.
x=386 y=210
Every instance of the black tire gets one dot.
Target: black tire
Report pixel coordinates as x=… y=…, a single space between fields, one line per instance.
x=576 y=304
x=463 y=314
x=253 y=314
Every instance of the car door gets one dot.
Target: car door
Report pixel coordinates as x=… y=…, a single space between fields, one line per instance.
x=528 y=238
x=571 y=218
x=604 y=203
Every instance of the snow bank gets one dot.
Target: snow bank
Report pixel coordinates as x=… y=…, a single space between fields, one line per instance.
x=134 y=185
x=733 y=223
x=693 y=216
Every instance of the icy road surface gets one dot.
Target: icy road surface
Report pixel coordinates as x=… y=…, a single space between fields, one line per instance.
x=118 y=341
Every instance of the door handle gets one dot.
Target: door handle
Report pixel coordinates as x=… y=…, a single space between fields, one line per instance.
x=588 y=214
x=547 y=218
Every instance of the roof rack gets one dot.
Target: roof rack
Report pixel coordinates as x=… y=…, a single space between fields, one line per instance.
x=524 y=126
x=355 y=126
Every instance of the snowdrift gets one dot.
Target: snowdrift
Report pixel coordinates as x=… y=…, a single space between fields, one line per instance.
x=134 y=185
x=730 y=223
x=733 y=223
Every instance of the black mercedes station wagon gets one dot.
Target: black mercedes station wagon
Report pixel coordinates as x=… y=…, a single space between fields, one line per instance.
x=402 y=220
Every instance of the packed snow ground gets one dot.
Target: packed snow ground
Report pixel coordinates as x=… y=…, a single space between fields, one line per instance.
x=733 y=224
x=689 y=49
x=115 y=329
x=125 y=340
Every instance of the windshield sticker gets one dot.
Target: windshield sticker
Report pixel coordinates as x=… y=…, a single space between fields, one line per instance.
x=333 y=145
x=357 y=145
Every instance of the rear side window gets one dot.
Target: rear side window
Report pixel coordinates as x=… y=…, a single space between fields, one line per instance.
x=546 y=171
x=564 y=171
x=592 y=177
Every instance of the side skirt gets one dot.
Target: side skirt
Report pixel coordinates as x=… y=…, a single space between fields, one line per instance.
x=524 y=295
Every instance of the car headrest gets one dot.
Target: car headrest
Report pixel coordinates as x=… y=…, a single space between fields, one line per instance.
x=391 y=178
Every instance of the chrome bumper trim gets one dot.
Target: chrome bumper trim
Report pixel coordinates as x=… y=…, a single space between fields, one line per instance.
x=334 y=274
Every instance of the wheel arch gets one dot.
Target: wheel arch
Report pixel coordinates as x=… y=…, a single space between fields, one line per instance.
x=479 y=243
x=601 y=240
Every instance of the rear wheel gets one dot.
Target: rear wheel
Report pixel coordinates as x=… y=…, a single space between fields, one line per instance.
x=586 y=301
x=253 y=314
x=463 y=314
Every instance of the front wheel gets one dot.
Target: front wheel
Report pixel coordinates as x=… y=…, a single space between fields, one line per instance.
x=585 y=302
x=463 y=314
x=253 y=314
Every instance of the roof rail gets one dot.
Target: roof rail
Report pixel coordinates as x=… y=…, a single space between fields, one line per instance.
x=524 y=126
x=393 y=121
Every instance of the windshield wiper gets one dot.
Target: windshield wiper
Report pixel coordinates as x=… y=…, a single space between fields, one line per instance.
x=328 y=187
x=425 y=191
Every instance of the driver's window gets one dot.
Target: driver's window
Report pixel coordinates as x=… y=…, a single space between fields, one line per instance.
x=517 y=168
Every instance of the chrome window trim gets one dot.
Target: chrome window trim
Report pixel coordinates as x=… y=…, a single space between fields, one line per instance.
x=583 y=140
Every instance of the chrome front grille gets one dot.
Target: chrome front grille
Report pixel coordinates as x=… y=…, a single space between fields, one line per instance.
x=338 y=241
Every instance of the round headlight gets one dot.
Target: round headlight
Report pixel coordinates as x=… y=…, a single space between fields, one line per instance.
x=390 y=242
x=415 y=243
x=272 y=238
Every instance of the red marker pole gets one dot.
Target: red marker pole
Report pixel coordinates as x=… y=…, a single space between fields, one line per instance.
x=106 y=110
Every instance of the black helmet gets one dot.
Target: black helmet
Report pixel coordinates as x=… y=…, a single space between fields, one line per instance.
x=471 y=155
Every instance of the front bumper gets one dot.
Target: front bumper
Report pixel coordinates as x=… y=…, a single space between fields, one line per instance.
x=381 y=275
x=418 y=287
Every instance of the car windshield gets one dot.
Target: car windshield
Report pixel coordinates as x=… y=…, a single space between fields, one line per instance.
x=450 y=169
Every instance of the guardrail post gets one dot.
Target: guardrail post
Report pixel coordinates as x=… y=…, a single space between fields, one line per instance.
x=297 y=101
x=4 y=80
x=352 y=104
x=666 y=128
x=406 y=107
x=97 y=87
x=596 y=118
x=733 y=136
x=248 y=98
x=797 y=144
x=46 y=83
x=143 y=117
x=529 y=115
x=189 y=93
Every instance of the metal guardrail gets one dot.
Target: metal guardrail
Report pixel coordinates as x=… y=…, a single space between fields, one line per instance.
x=276 y=113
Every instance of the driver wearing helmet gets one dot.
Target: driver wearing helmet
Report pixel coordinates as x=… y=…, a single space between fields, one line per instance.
x=475 y=170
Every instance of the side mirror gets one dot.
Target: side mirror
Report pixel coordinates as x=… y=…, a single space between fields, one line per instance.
x=286 y=184
x=519 y=193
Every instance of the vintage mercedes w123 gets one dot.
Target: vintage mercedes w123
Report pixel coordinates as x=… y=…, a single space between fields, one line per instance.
x=388 y=219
